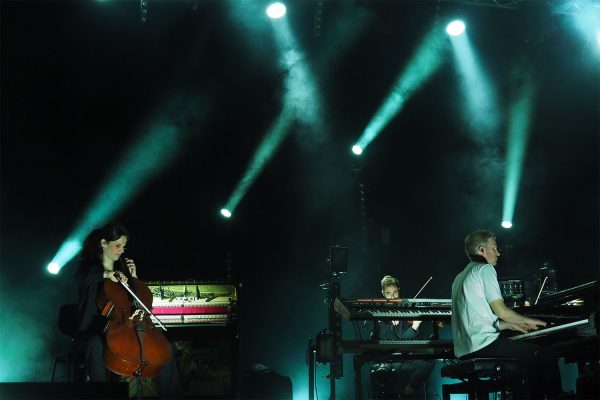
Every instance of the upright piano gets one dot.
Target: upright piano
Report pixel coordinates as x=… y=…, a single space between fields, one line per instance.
x=194 y=303
x=202 y=322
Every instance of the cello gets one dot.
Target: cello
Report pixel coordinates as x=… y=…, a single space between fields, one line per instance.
x=135 y=347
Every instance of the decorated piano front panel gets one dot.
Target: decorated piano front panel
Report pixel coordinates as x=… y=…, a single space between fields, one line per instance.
x=193 y=303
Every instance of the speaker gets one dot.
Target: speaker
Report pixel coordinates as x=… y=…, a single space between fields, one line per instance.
x=207 y=359
x=60 y=390
x=338 y=259
x=260 y=382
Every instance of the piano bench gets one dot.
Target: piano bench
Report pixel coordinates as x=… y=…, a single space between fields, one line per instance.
x=482 y=376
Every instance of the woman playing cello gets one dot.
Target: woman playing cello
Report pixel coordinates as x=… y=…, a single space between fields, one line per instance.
x=101 y=252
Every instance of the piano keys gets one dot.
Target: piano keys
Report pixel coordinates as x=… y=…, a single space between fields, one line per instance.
x=551 y=330
x=406 y=347
x=572 y=317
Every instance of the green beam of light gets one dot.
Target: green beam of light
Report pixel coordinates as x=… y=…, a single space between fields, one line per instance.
x=481 y=111
x=424 y=63
x=144 y=159
x=301 y=89
x=271 y=141
x=518 y=135
x=301 y=103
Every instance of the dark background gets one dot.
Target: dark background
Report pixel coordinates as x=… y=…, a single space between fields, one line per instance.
x=82 y=82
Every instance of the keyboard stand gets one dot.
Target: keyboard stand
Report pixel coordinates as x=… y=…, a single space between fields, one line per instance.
x=360 y=359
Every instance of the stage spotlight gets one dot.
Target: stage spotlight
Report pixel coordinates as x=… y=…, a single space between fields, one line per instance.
x=66 y=252
x=356 y=149
x=226 y=213
x=53 y=268
x=455 y=28
x=506 y=224
x=276 y=10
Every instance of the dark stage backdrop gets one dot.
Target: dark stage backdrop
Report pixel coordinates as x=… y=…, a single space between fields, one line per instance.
x=85 y=82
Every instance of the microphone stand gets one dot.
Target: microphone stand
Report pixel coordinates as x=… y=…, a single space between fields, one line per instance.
x=423 y=287
x=541 y=289
x=434 y=324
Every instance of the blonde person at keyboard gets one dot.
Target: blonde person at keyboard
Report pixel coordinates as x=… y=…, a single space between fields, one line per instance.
x=479 y=314
x=409 y=375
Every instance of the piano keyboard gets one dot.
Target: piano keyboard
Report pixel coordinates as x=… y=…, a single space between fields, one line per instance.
x=551 y=330
x=394 y=310
x=397 y=346
x=192 y=319
x=409 y=314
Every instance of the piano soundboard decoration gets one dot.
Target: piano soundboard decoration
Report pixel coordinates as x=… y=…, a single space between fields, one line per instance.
x=194 y=303
x=393 y=310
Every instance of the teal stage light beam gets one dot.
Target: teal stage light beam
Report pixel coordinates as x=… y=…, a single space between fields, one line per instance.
x=481 y=107
x=301 y=103
x=585 y=16
x=301 y=88
x=144 y=159
x=267 y=148
x=424 y=63
x=518 y=136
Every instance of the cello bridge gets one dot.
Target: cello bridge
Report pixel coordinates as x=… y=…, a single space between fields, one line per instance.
x=137 y=313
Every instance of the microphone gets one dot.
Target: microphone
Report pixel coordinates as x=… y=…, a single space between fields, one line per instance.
x=123 y=265
x=124 y=268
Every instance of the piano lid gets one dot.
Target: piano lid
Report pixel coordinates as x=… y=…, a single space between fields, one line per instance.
x=578 y=300
x=576 y=292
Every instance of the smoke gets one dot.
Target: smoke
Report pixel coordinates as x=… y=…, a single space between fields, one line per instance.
x=29 y=329
x=245 y=14
x=339 y=33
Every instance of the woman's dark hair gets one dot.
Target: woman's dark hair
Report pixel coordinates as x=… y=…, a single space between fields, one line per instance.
x=91 y=253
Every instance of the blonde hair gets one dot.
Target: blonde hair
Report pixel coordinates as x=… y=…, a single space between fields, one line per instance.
x=476 y=239
x=388 y=280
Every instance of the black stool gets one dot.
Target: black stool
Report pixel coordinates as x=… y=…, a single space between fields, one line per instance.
x=482 y=376
x=73 y=368
x=73 y=362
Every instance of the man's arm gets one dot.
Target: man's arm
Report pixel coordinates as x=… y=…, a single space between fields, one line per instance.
x=411 y=331
x=513 y=320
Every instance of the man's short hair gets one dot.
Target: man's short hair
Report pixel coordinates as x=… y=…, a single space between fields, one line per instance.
x=388 y=280
x=475 y=240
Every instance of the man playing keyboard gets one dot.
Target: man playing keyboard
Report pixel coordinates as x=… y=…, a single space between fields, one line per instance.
x=417 y=371
x=479 y=314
